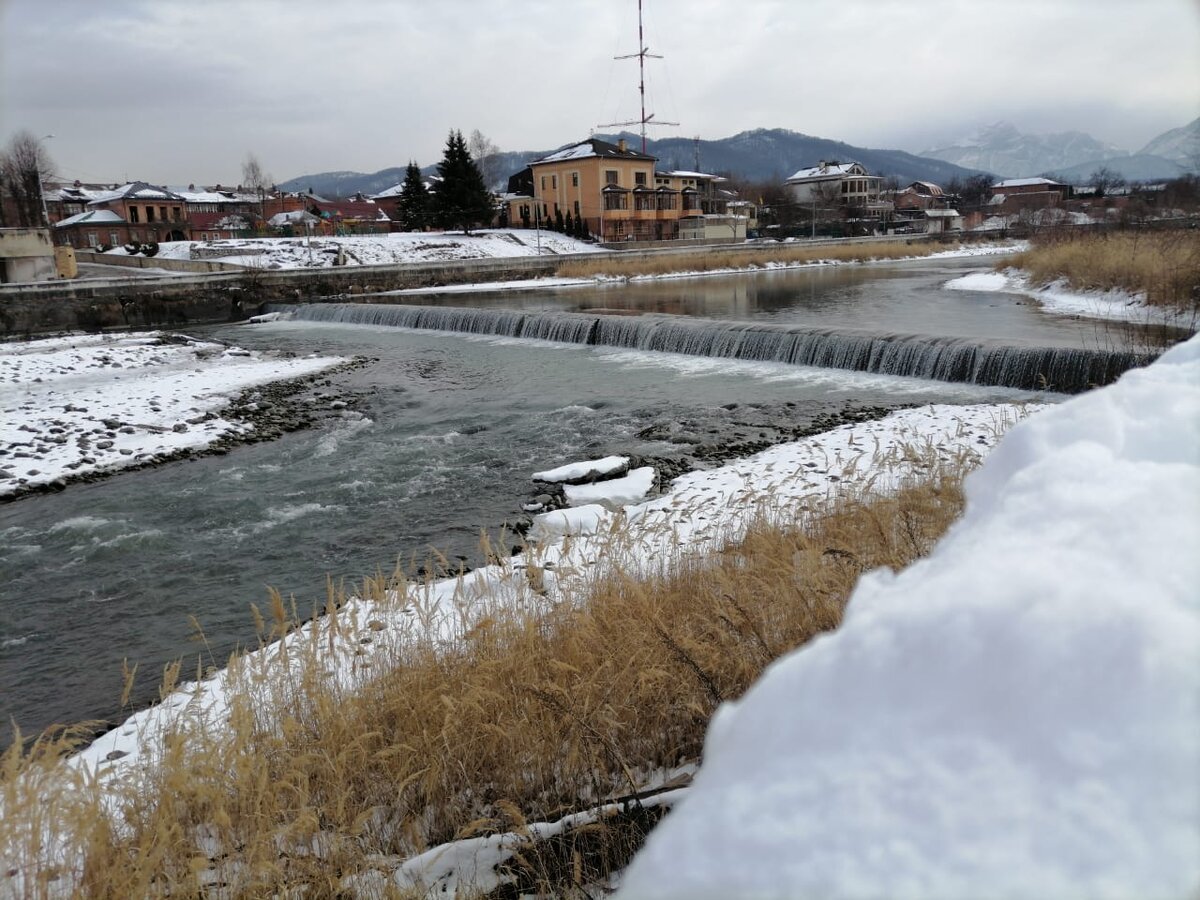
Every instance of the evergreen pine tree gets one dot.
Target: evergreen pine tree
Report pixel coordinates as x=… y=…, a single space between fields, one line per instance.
x=584 y=232
x=559 y=225
x=412 y=210
x=569 y=225
x=461 y=199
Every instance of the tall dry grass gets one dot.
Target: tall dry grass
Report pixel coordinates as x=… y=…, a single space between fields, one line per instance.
x=530 y=714
x=614 y=265
x=1163 y=265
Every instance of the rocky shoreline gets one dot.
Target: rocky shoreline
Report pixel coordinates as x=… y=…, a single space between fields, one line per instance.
x=755 y=427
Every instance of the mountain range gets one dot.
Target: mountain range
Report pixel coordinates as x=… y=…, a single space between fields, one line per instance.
x=1072 y=156
x=771 y=155
x=760 y=155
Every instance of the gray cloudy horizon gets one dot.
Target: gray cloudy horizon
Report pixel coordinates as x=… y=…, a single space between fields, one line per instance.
x=177 y=92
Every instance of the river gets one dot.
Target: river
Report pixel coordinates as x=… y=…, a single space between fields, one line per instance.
x=436 y=445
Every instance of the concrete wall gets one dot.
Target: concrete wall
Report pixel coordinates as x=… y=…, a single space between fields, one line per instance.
x=154 y=262
x=26 y=254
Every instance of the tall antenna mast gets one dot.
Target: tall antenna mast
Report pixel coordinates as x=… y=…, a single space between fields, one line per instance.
x=641 y=56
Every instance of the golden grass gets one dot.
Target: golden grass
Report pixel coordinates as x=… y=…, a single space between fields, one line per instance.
x=529 y=715
x=1164 y=265
x=615 y=265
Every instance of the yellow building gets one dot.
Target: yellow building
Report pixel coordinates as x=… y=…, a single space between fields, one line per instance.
x=616 y=191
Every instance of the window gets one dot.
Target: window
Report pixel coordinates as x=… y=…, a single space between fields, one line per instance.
x=114 y=238
x=133 y=235
x=149 y=213
x=577 y=209
x=162 y=213
x=543 y=182
x=610 y=176
x=175 y=213
x=554 y=182
x=639 y=178
x=133 y=214
x=93 y=240
x=575 y=182
x=616 y=201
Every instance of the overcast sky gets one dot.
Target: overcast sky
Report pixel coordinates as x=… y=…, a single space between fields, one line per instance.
x=172 y=91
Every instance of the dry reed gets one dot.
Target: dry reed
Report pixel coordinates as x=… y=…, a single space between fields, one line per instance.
x=614 y=265
x=1162 y=265
x=528 y=716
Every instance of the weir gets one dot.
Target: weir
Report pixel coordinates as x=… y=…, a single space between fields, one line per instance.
x=1063 y=369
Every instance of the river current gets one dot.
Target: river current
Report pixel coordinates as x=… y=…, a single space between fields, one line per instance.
x=436 y=445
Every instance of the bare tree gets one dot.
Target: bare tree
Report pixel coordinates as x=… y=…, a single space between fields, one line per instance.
x=257 y=181
x=24 y=164
x=1106 y=180
x=484 y=151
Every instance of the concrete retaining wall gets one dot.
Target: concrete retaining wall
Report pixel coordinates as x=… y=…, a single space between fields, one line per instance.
x=154 y=262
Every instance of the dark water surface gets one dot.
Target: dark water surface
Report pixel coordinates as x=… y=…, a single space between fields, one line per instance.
x=446 y=432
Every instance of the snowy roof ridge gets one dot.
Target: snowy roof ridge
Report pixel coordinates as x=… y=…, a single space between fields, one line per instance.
x=593 y=147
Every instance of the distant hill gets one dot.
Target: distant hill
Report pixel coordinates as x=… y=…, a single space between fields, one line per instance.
x=760 y=155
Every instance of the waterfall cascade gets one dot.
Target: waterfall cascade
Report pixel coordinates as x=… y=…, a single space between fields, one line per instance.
x=1063 y=369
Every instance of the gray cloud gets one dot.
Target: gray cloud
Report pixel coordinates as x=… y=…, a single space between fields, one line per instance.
x=175 y=92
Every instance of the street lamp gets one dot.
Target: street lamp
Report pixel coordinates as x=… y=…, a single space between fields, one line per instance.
x=37 y=165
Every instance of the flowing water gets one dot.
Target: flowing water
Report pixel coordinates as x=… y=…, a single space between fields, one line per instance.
x=439 y=441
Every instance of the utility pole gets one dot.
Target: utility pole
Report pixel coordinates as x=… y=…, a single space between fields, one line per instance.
x=641 y=56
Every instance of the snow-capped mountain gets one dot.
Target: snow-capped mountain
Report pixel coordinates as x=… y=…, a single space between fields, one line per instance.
x=1180 y=145
x=1003 y=150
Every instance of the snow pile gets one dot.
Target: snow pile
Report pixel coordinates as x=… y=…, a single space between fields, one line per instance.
x=1016 y=716
x=1059 y=297
x=91 y=403
x=374 y=250
x=581 y=471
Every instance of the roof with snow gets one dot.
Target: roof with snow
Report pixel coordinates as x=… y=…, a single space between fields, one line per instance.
x=295 y=217
x=137 y=190
x=1026 y=182
x=704 y=176
x=925 y=189
x=91 y=217
x=593 y=147
x=826 y=170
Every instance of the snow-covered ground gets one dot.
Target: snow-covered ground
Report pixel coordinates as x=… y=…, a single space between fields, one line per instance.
x=1113 y=305
x=1016 y=716
x=90 y=403
x=374 y=250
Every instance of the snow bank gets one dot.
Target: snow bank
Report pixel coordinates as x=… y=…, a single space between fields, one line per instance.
x=1057 y=297
x=615 y=492
x=1016 y=716
x=374 y=250
x=578 y=471
x=93 y=403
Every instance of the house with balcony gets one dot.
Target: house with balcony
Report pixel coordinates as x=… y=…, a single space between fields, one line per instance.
x=847 y=190
x=618 y=193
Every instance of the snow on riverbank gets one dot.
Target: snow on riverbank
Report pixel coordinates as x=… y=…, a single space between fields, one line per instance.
x=374 y=250
x=1017 y=715
x=701 y=512
x=1058 y=297
x=85 y=404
